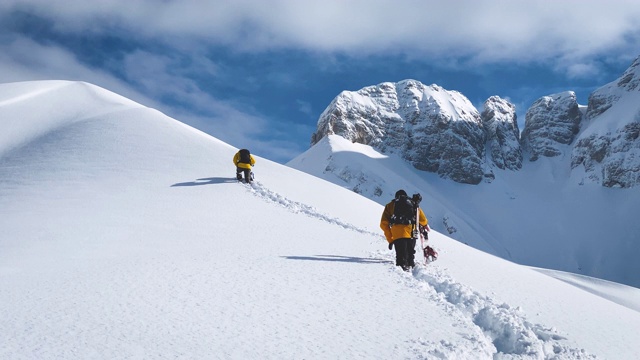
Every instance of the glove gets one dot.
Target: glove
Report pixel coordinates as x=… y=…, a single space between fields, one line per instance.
x=390 y=246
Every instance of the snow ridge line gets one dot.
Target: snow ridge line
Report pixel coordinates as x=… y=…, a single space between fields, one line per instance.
x=506 y=327
x=299 y=208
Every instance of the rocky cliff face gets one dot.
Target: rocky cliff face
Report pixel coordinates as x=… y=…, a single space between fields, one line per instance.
x=604 y=98
x=434 y=129
x=612 y=159
x=608 y=150
x=502 y=134
x=440 y=131
x=551 y=123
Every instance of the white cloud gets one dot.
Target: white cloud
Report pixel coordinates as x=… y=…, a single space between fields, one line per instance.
x=500 y=30
x=569 y=34
x=153 y=73
x=304 y=107
x=582 y=71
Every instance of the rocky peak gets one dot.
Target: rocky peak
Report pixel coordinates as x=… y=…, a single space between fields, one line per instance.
x=609 y=149
x=503 y=136
x=550 y=123
x=440 y=131
x=630 y=80
x=434 y=129
x=603 y=98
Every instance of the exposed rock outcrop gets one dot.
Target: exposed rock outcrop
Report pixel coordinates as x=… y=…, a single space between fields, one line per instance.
x=502 y=134
x=551 y=122
x=435 y=129
x=609 y=149
x=440 y=131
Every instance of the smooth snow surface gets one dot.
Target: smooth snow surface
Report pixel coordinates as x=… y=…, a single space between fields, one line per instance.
x=126 y=236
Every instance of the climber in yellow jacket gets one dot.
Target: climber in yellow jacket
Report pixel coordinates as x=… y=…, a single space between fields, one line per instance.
x=400 y=228
x=243 y=160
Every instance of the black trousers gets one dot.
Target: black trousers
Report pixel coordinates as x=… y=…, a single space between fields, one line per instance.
x=405 y=251
x=247 y=173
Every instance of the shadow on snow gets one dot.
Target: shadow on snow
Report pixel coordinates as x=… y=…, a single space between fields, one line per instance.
x=207 y=181
x=337 y=258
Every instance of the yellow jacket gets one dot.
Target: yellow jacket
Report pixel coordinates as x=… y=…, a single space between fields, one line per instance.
x=398 y=231
x=236 y=161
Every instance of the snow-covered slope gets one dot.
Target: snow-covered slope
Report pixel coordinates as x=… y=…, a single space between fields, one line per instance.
x=546 y=195
x=124 y=235
x=532 y=216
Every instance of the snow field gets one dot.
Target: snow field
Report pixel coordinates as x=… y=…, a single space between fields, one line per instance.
x=125 y=235
x=503 y=331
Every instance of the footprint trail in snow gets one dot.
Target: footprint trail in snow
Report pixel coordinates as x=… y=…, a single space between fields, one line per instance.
x=502 y=331
x=297 y=207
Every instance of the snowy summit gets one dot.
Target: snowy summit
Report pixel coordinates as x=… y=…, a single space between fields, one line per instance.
x=125 y=235
x=562 y=195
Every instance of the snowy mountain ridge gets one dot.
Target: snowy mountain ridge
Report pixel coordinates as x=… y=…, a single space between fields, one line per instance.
x=440 y=131
x=608 y=150
x=125 y=235
x=434 y=129
x=572 y=170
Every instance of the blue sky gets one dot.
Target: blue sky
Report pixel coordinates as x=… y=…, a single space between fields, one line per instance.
x=258 y=73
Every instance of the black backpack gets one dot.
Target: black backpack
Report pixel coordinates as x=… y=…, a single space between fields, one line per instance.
x=404 y=211
x=245 y=156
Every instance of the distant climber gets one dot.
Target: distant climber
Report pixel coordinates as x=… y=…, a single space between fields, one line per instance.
x=401 y=228
x=243 y=161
